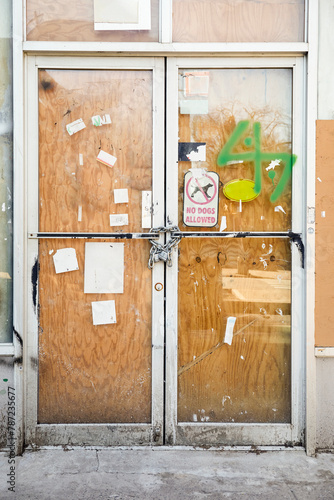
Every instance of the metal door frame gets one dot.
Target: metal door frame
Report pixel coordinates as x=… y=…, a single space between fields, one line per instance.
x=92 y=434
x=231 y=433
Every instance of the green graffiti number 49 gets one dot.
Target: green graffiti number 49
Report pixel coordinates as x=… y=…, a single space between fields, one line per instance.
x=256 y=156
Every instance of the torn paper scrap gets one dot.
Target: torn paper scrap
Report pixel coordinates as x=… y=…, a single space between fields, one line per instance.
x=121 y=196
x=104 y=268
x=119 y=219
x=98 y=121
x=80 y=159
x=104 y=312
x=74 y=127
x=323 y=213
x=280 y=209
x=106 y=158
x=65 y=260
x=196 y=83
x=146 y=209
x=79 y=213
x=223 y=224
x=229 y=330
x=192 y=151
x=194 y=107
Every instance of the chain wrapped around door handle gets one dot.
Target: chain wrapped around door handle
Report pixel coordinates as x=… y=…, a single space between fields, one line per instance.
x=160 y=252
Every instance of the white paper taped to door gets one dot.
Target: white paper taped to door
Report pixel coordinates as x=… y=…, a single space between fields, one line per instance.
x=104 y=268
x=104 y=312
x=65 y=260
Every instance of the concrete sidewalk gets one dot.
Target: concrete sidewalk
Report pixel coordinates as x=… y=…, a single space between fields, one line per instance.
x=168 y=474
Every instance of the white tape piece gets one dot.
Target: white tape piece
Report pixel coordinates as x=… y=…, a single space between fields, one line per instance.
x=74 y=127
x=80 y=159
x=104 y=312
x=323 y=213
x=223 y=224
x=146 y=213
x=79 y=213
x=65 y=260
x=319 y=179
x=119 y=219
x=106 y=158
x=121 y=196
x=198 y=173
x=229 y=330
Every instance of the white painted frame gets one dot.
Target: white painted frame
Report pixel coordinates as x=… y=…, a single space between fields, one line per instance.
x=95 y=434
x=237 y=434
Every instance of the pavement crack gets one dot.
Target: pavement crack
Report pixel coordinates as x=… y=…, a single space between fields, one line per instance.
x=98 y=460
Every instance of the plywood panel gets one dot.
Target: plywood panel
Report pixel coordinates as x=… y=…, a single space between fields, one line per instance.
x=324 y=253
x=65 y=184
x=74 y=21
x=242 y=21
x=248 y=381
x=92 y=373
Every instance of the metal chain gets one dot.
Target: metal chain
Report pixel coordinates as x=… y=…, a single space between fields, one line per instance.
x=161 y=252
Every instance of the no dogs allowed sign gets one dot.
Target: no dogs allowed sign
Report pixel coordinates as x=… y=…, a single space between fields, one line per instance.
x=200 y=198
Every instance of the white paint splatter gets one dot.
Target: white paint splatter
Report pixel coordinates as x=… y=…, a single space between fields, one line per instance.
x=264 y=262
x=4 y=207
x=279 y=311
x=280 y=209
x=242 y=357
x=273 y=164
x=51 y=252
x=319 y=179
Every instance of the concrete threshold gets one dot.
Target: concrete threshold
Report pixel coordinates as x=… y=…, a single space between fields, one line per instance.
x=167 y=473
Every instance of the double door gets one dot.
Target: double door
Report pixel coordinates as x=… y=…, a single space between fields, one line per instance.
x=165 y=251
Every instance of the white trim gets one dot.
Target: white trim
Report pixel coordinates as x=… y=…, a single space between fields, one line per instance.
x=7 y=349
x=324 y=352
x=19 y=242
x=166 y=12
x=131 y=48
x=311 y=106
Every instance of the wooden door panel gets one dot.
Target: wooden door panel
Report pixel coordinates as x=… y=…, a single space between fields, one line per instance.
x=249 y=380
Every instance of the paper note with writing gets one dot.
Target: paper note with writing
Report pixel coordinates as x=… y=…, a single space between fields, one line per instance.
x=119 y=219
x=98 y=121
x=104 y=312
x=116 y=11
x=104 y=268
x=106 y=158
x=146 y=206
x=192 y=151
x=194 y=107
x=74 y=127
x=229 y=330
x=121 y=196
x=65 y=260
